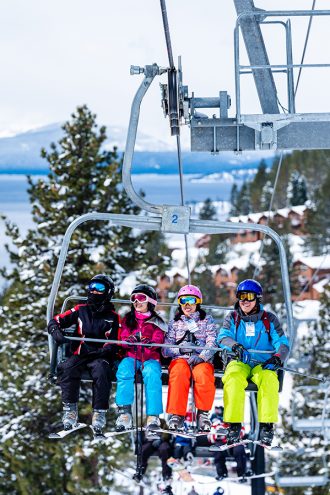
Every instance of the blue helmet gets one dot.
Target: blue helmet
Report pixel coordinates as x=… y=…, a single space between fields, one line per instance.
x=249 y=285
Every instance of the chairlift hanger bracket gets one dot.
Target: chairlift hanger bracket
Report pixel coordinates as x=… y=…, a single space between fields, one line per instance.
x=270 y=130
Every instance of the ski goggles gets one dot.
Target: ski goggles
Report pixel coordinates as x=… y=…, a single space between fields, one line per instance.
x=247 y=296
x=142 y=298
x=98 y=286
x=188 y=300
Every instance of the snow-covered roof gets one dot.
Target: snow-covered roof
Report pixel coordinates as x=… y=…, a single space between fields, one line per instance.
x=299 y=209
x=255 y=217
x=182 y=272
x=319 y=286
x=306 y=310
x=315 y=262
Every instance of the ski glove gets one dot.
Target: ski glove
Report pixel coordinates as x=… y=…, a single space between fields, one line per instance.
x=241 y=353
x=57 y=335
x=272 y=363
x=186 y=350
x=145 y=340
x=132 y=338
x=193 y=360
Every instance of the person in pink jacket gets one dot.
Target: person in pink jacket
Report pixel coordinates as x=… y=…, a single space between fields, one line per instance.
x=141 y=324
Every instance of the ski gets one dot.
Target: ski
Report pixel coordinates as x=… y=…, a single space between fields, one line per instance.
x=63 y=433
x=220 y=448
x=185 y=434
x=131 y=478
x=225 y=446
x=109 y=434
x=238 y=479
x=274 y=448
x=180 y=469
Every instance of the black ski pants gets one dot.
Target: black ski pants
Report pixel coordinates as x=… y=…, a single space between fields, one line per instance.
x=71 y=370
x=181 y=451
x=239 y=455
x=163 y=449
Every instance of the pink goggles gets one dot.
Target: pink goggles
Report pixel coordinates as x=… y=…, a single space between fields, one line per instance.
x=141 y=298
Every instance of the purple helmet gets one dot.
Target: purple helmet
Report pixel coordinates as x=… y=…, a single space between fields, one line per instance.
x=190 y=290
x=249 y=285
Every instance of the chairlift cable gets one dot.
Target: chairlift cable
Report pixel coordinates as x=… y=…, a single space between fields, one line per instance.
x=257 y=268
x=167 y=34
x=178 y=140
x=305 y=47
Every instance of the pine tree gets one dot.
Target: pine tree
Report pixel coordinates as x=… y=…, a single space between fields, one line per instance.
x=257 y=186
x=318 y=220
x=270 y=276
x=244 y=200
x=297 y=189
x=233 y=200
x=214 y=254
x=266 y=196
x=307 y=450
x=82 y=178
x=208 y=211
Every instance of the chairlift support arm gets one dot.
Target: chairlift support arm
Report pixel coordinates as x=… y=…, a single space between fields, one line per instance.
x=257 y=54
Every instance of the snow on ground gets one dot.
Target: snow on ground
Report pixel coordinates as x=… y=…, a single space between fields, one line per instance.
x=128 y=284
x=222 y=209
x=307 y=310
x=205 y=485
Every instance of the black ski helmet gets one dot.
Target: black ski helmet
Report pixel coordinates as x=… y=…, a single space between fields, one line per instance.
x=107 y=281
x=147 y=290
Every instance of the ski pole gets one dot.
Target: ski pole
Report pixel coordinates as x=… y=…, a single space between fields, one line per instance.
x=290 y=370
x=225 y=355
x=312 y=377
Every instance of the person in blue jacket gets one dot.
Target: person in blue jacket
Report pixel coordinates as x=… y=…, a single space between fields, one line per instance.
x=245 y=331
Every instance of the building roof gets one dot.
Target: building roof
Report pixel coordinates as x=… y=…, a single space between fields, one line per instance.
x=255 y=217
x=315 y=262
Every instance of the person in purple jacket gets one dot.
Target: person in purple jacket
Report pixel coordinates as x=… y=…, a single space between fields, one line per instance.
x=191 y=326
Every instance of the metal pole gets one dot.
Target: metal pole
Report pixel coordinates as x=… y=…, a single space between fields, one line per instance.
x=150 y=72
x=258 y=485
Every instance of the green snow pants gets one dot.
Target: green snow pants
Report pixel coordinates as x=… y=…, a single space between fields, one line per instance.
x=234 y=384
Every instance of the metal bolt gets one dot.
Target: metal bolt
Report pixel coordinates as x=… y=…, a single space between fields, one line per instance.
x=135 y=69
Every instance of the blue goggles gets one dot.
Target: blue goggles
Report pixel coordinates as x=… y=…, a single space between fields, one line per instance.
x=98 y=286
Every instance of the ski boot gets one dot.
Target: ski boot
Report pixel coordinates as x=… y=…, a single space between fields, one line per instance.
x=176 y=422
x=70 y=415
x=233 y=435
x=167 y=490
x=124 y=419
x=221 y=476
x=153 y=423
x=203 y=421
x=266 y=433
x=99 y=421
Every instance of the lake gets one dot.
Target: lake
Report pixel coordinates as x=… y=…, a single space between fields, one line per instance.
x=159 y=189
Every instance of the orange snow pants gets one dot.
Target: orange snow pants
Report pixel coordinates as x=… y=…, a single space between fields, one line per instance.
x=180 y=375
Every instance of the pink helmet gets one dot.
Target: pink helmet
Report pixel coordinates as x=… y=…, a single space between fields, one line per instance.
x=190 y=290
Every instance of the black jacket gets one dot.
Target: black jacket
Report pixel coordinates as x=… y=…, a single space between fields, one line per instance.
x=89 y=324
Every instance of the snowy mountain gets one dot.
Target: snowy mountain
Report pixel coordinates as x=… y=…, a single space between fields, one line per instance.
x=21 y=154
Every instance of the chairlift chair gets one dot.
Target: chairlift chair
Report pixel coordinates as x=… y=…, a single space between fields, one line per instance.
x=321 y=422
x=301 y=481
x=164 y=218
x=169 y=218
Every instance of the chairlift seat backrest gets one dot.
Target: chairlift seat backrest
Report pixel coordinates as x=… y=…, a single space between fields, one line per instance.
x=314 y=424
x=297 y=481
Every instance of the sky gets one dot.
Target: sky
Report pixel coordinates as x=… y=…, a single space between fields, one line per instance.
x=58 y=54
